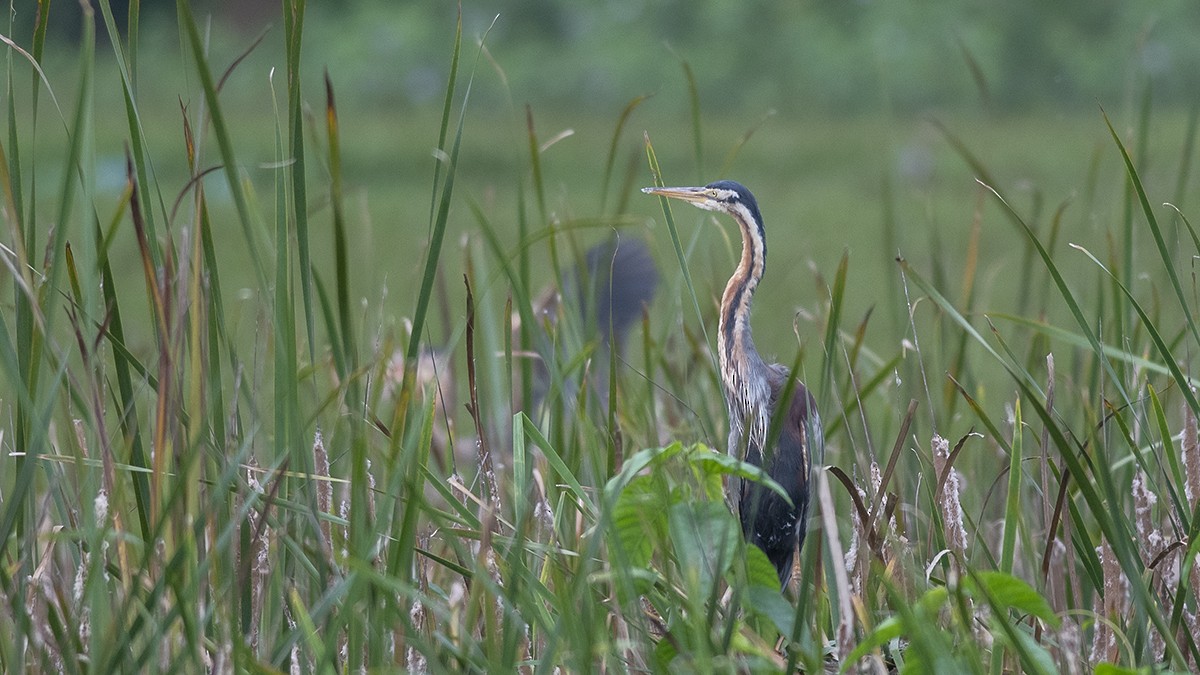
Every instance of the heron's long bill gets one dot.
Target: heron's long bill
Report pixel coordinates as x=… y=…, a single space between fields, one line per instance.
x=687 y=194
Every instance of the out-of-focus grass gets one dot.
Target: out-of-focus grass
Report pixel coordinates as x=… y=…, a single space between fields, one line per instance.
x=822 y=178
x=191 y=480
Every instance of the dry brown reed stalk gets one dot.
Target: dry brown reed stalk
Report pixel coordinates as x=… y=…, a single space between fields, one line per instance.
x=1069 y=647
x=324 y=486
x=82 y=609
x=418 y=614
x=858 y=557
x=41 y=600
x=297 y=667
x=954 y=524
x=1191 y=458
x=259 y=555
x=1151 y=543
x=482 y=447
x=1110 y=606
x=1055 y=587
x=1190 y=452
x=854 y=554
x=845 y=629
x=948 y=500
x=1149 y=536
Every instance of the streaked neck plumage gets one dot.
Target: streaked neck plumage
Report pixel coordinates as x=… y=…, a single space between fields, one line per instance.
x=743 y=372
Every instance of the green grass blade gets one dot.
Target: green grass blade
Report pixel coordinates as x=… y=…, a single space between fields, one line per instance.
x=1164 y=351
x=679 y=254
x=447 y=107
x=1185 y=155
x=611 y=159
x=836 y=297
x=250 y=233
x=439 y=224
x=1061 y=284
x=1012 y=508
x=1175 y=477
x=340 y=249
x=293 y=22
x=1163 y=252
x=1076 y=340
x=694 y=108
x=582 y=497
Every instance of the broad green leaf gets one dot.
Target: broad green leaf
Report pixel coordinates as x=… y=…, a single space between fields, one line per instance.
x=770 y=603
x=1034 y=657
x=705 y=536
x=893 y=626
x=717 y=462
x=888 y=630
x=634 y=518
x=637 y=463
x=1012 y=592
x=664 y=654
x=759 y=570
x=1111 y=669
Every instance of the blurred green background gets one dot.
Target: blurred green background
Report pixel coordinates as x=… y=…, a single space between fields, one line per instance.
x=831 y=112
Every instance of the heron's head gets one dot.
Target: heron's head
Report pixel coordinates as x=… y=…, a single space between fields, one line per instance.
x=726 y=196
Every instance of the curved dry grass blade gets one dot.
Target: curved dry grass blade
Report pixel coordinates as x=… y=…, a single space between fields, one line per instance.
x=860 y=508
x=1052 y=527
x=891 y=465
x=941 y=478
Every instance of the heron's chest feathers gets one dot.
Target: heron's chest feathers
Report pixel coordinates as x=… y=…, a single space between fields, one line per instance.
x=747 y=400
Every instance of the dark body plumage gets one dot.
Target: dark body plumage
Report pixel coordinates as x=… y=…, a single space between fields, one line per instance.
x=769 y=522
x=771 y=424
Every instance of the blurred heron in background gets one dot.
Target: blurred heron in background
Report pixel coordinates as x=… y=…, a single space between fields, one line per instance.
x=607 y=291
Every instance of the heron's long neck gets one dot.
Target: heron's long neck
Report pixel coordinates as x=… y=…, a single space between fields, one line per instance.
x=743 y=372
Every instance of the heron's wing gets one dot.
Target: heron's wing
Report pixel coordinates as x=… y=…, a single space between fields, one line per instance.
x=769 y=521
